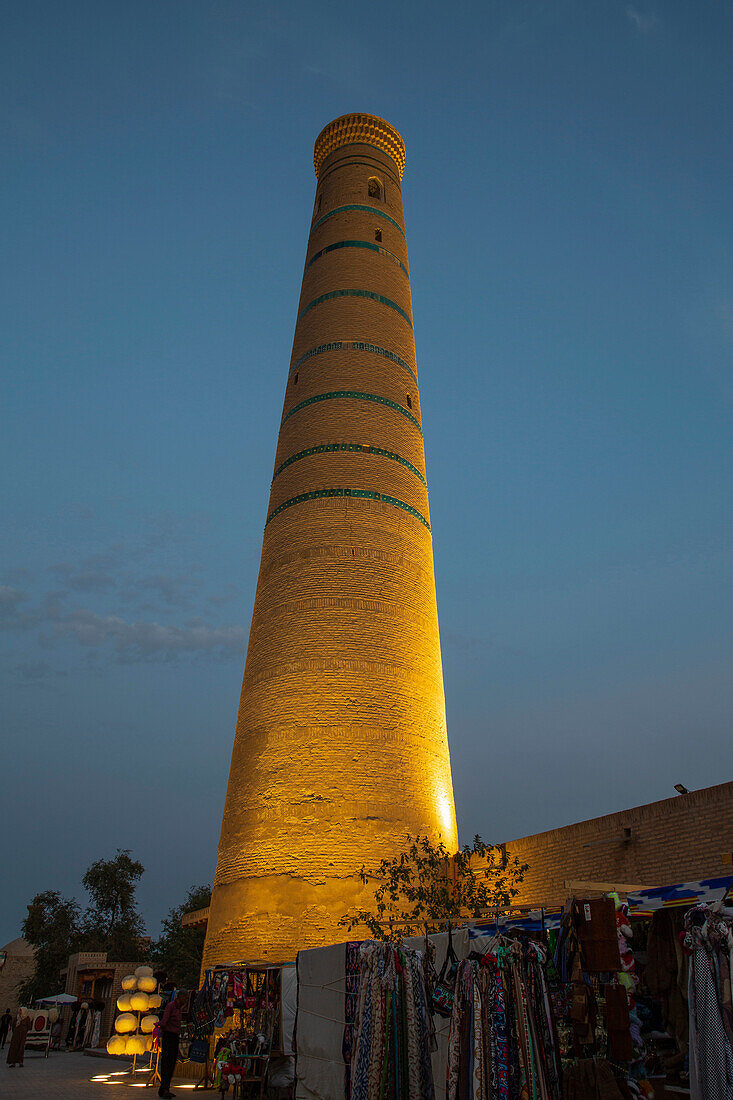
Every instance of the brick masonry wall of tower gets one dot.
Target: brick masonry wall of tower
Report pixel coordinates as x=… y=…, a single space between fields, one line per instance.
x=340 y=747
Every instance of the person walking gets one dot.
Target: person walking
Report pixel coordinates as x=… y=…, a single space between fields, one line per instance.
x=170 y=1031
x=17 y=1043
x=5 y=1021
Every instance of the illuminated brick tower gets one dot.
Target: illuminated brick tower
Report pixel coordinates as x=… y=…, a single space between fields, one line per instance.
x=340 y=746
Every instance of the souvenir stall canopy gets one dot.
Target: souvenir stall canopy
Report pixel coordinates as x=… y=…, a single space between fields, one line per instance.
x=701 y=892
x=536 y=921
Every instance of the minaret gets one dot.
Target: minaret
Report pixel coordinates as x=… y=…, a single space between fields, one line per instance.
x=340 y=746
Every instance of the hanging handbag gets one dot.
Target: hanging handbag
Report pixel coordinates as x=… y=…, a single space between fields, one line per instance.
x=198 y=1050
x=445 y=984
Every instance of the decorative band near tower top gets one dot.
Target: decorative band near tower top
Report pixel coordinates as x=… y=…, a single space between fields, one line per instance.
x=359 y=130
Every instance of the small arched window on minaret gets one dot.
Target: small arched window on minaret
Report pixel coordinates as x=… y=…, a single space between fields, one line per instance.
x=376 y=189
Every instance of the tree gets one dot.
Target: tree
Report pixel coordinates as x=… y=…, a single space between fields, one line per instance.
x=179 y=950
x=425 y=886
x=112 y=922
x=52 y=928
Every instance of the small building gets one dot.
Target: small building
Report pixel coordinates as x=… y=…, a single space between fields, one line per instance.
x=16 y=965
x=95 y=981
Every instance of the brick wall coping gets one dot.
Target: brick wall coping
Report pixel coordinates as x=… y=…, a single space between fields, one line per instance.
x=637 y=814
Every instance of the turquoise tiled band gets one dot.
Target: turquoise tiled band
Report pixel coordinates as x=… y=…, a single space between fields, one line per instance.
x=317 y=494
x=330 y=448
x=357 y=244
x=335 y=345
x=357 y=397
x=363 y=209
x=357 y=345
x=355 y=294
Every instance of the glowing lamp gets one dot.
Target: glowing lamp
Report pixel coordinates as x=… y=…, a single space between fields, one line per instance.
x=135 y=1044
x=129 y=982
x=155 y=1000
x=139 y=1002
x=144 y=972
x=125 y=1023
x=148 y=1023
x=148 y=1043
x=123 y=1002
x=116 y=1044
x=147 y=983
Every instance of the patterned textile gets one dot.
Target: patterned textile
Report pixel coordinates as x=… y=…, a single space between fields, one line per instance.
x=391 y=1042
x=350 y=1005
x=714 y=1053
x=707 y=890
x=477 y=1082
x=499 y=1043
x=502 y=1043
x=708 y=939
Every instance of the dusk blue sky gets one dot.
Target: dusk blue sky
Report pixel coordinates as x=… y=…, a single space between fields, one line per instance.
x=568 y=206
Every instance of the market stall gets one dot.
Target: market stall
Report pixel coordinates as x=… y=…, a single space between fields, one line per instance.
x=241 y=1028
x=334 y=998
x=684 y=934
x=611 y=997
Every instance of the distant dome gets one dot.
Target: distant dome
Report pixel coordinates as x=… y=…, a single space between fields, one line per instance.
x=19 y=948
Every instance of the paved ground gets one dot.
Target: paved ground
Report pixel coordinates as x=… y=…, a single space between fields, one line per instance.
x=64 y=1076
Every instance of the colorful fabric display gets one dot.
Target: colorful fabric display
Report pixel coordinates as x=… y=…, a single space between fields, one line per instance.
x=502 y=1043
x=391 y=1038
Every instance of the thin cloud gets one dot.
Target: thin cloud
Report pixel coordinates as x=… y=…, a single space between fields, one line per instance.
x=12 y=613
x=137 y=640
x=35 y=671
x=643 y=23
x=81 y=578
x=141 y=640
x=173 y=591
x=230 y=592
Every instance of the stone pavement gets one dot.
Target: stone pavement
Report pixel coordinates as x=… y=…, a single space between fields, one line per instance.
x=64 y=1076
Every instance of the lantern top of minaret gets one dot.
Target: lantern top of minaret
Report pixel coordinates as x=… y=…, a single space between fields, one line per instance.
x=359 y=129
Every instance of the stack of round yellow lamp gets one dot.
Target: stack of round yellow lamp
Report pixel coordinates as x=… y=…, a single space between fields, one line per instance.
x=136 y=1022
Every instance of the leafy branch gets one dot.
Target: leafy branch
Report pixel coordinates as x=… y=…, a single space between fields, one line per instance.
x=425 y=886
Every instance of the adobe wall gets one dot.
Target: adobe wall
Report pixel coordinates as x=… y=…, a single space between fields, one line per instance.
x=18 y=967
x=676 y=840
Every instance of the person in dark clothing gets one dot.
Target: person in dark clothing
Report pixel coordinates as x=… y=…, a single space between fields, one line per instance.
x=170 y=1030
x=5 y=1021
x=17 y=1043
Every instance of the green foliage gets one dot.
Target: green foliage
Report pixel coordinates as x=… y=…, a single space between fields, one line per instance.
x=52 y=927
x=112 y=922
x=425 y=886
x=179 y=951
